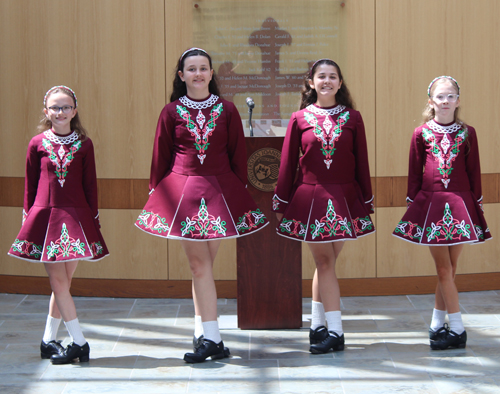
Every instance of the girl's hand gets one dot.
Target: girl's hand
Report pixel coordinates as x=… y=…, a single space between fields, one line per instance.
x=279 y=216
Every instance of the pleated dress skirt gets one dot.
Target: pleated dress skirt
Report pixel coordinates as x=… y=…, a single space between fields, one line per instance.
x=326 y=213
x=200 y=208
x=443 y=218
x=53 y=235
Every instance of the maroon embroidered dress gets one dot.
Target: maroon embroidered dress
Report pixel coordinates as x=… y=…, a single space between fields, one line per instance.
x=198 y=174
x=331 y=200
x=444 y=187
x=60 y=216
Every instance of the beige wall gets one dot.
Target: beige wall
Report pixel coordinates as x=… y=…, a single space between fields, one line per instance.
x=119 y=55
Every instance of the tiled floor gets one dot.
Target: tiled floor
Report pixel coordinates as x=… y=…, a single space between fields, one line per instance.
x=137 y=346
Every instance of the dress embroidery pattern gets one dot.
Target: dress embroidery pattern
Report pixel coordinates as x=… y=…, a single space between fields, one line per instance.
x=331 y=225
x=362 y=224
x=62 y=159
x=293 y=227
x=448 y=228
x=65 y=246
x=96 y=248
x=409 y=230
x=249 y=221
x=442 y=153
x=200 y=130
x=203 y=225
x=153 y=221
x=326 y=135
x=27 y=248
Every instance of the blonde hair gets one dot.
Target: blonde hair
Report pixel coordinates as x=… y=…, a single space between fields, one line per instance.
x=429 y=113
x=75 y=124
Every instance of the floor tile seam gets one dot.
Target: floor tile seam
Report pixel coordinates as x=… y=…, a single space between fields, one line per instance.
x=20 y=302
x=177 y=314
x=131 y=308
x=118 y=339
x=279 y=375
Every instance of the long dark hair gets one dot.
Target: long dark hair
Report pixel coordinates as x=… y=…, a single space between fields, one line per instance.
x=179 y=87
x=309 y=95
x=75 y=124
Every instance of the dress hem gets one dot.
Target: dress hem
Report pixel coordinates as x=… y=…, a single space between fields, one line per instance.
x=176 y=238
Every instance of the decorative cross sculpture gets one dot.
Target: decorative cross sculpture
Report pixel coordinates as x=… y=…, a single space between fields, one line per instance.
x=270 y=82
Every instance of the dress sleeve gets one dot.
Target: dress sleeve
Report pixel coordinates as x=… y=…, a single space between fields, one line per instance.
x=288 y=166
x=162 y=149
x=362 y=165
x=89 y=178
x=473 y=166
x=236 y=148
x=32 y=177
x=415 y=166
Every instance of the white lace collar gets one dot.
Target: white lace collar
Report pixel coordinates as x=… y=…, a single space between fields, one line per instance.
x=65 y=140
x=443 y=129
x=321 y=111
x=199 y=104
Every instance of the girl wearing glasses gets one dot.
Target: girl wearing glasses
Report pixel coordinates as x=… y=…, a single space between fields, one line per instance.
x=331 y=199
x=60 y=216
x=197 y=186
x=444 y=201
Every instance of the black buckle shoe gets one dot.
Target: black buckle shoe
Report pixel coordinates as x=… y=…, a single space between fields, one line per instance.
x=440 y=333
x=451 y=339
x=197 y=342
x=332 y=341
x=317 y=335
x=71 y=352
x=207 y=349
x=48 y=349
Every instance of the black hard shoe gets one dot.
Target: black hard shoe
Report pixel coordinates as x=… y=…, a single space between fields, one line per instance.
x=451 y=339
x=332 y=341
x=48 y=349
x=207 y=349
x=197 y=342
x=71 y=352
x=317 y=335
x=440 y=333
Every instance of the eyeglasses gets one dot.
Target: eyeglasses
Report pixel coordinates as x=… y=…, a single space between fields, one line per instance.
x=65 y=109
x=451 y=98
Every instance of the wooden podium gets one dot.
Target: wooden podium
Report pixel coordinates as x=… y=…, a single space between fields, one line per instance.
x=269 y=267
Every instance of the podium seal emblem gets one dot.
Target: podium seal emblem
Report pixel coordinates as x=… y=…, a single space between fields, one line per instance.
x=263 y=167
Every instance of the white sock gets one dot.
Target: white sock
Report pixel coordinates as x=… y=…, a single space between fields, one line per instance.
x=456 y=324
x=198 y=326
x=75 y=331
x=334 y=320
x=438 y=319
x=51 y=328
x=211 y=331
x=318 y=315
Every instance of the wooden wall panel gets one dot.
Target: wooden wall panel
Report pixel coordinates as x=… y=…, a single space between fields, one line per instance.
x=224 y=265
x=133 y=253
x=396 y=257
x=178 y=36
x=110 y=52
x=359 y=70
x=483 y=257
x=10 y=223
x=418 y=40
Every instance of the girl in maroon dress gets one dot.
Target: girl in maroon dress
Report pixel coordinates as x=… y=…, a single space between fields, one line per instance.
x=198 y=186
x=444 y=201
x=60 y=216
x=330 y=200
